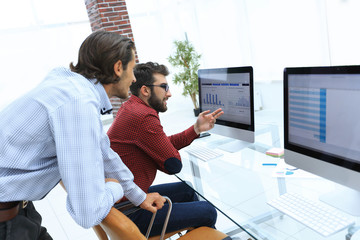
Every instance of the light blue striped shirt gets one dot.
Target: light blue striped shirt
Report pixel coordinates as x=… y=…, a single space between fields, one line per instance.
x=55 y=132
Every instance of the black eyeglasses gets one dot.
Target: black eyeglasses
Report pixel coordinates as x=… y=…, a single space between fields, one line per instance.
x=164 y=86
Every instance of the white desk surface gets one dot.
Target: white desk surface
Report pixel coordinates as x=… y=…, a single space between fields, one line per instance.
x=240 y=185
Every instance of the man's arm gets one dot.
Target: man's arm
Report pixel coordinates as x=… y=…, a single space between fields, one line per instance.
x=153 y=141
x=116 y=169
x=153 y=201
x=204 y=122
x=77 y=134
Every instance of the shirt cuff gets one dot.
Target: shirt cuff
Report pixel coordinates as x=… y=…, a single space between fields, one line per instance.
x=136 y=196
x=116 y=190
x=190 y=132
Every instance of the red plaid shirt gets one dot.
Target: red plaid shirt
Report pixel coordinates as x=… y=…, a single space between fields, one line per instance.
x=138 y=137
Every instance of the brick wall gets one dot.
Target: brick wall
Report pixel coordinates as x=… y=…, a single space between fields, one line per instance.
x=112 y=16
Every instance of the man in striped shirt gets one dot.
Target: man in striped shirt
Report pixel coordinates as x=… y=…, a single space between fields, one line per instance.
x=55 y=133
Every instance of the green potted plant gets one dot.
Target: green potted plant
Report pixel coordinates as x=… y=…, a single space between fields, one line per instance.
x=186 y=60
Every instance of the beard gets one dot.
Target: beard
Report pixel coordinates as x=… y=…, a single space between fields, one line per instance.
x=157 y=104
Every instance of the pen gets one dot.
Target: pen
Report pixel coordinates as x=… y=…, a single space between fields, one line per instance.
x=269 y=164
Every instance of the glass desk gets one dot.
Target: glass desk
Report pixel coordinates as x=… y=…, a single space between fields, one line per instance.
x=240 y=184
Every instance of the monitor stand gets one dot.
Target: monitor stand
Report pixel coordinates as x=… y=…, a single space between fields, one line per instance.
x=234 y=146
x=344 y=199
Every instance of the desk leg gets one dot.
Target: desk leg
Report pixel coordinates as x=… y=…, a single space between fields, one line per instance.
x=282 y=188
x=275 y=139
x=196 y=175
x=351 y=231
x=275 y=136
x=282 y=185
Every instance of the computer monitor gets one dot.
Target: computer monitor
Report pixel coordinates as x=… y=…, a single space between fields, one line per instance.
x=232 y=90
x=322 y=127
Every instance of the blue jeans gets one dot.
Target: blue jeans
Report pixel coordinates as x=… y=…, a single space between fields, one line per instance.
x=187 y=210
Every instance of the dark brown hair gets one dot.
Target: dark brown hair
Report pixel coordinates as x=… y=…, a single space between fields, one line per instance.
x=98 y=54
x=144 y=74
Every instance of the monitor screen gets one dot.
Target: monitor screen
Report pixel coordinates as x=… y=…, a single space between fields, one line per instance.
x=232 y=90
x=322 y=121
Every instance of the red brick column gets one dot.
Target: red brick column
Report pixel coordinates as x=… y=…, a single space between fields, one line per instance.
x=112 y=16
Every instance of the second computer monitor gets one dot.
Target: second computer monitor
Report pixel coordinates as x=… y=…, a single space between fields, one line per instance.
x=321 y=127
x=232 y=90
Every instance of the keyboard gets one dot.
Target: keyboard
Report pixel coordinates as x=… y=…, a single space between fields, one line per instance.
x=203 y=153
x=316 y=215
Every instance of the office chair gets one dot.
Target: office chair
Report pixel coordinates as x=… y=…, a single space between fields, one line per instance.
x=119 y=227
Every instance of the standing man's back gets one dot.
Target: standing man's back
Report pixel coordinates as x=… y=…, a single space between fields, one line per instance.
x=31 y=131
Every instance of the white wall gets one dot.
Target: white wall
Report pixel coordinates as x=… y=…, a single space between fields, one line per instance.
x=36 y=36
x=266 y=34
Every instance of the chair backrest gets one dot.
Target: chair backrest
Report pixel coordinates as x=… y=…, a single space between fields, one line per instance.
x=119 y=227
x=110 y=226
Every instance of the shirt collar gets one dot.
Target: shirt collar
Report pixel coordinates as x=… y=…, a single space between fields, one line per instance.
x=105 y=104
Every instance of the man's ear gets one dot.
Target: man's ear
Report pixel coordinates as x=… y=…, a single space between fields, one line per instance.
x=118 y=68
x=145 y=91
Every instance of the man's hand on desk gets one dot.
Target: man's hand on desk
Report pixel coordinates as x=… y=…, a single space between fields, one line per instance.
x=153 y=202
x=206 y=120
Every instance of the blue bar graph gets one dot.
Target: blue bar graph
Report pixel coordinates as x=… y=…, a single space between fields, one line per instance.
x=212 y=100
x=322 y=115
x=308 y=112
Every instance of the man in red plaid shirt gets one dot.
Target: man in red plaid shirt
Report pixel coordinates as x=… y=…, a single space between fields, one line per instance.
x=138 y=137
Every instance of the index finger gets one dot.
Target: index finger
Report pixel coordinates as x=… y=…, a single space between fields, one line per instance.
x=217 y=113
x=152 y=209
x=204 y=112
x=158 y=205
